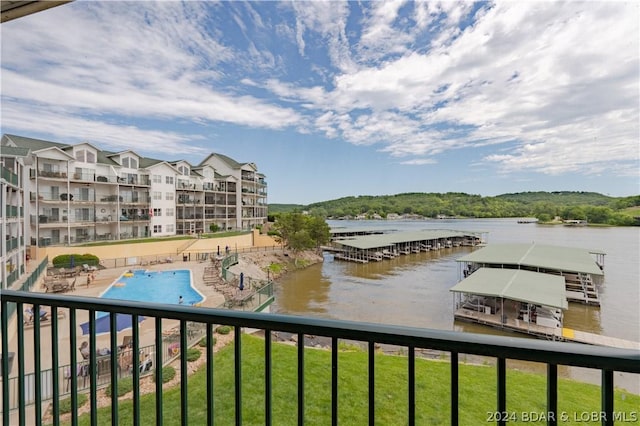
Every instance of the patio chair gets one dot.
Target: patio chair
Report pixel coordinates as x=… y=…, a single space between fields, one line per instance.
x=30 y=315
x=147 y=363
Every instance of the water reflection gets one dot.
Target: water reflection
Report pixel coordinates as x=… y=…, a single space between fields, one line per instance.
x=413 y=290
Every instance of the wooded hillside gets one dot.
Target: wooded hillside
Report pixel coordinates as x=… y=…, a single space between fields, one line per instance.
x=590 y=206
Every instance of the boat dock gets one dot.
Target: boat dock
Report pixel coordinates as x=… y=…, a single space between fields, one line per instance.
x=549 y=333
x=582 y=273
x=376 y=247
x=581 y=288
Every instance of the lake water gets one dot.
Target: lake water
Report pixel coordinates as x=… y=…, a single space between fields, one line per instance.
x=413 y=290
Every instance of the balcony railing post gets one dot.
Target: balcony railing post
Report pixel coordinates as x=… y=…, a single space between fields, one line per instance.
x=135 y=350
x=267 y=378
x=502 y=390
x=73 y=367
x=607 y=398
x=37 y=362
x=454 y=388
x=238 y=373
x=158 y=362
x=21 y=367
x=552 y=394
x=210 y=395
x=334 y=381
x=92 y=367
x=372 y=384
x=113 y=335
x=300 y=379
x=55 y=362
x=184 y=382
x=411 y=360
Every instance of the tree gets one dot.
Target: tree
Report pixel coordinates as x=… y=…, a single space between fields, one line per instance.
x=300 y=232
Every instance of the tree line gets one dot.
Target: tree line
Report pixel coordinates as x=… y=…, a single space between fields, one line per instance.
x=545 y=206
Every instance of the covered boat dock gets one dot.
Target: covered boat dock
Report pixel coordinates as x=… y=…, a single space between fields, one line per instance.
x=522 y=301
x=513 y=299
x=580 y=271
x=367 y=248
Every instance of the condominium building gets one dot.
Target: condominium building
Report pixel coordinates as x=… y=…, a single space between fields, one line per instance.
x=76 y=193
x=13 y=222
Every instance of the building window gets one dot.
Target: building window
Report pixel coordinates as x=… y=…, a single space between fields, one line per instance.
x=157 y=179
x=169 y=180
x=157 y=195
x=183 y=170
x=169 y=228
x=129 y=162
x=169 y=211
x=157 y=228
x=85 y=156
x=157 y=212
x=169 y=196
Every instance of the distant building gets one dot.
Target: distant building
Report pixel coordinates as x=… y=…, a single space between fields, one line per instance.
x=74 y=193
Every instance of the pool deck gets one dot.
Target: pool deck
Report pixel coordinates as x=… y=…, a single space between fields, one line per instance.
x=103 y=279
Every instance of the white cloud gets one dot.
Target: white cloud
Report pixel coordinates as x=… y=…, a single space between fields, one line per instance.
x=540 y=86
x=560 y=77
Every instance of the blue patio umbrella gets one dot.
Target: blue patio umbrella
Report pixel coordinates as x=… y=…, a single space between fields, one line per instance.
x=103 y=323
x=241 y=281
x=73 y=262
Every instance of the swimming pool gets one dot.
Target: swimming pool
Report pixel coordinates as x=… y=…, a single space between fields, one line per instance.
x=155 y=286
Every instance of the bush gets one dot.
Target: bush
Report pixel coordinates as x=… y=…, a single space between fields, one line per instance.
x=125 y=386
x=65 y=404
x=203 y=342
x=193 y=354
x=223 y=329
x=168 y=373
x=214 y=228
x=64 y=260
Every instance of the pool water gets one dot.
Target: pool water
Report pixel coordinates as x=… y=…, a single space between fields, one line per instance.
x=155 y=287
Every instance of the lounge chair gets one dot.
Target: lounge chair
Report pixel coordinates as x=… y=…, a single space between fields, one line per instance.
x=30 y=315
x=147 y=363
x=87 y=268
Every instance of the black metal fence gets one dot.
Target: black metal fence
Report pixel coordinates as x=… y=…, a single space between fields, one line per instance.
x=552 y=354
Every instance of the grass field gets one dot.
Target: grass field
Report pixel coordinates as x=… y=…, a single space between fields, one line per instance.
x=526 y=392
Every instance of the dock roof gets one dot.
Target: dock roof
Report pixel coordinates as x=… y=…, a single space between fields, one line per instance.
x=365 y=242
x=569 y=259
x=516 y=284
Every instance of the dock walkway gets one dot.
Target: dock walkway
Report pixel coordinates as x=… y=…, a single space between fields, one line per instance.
x=549 y=333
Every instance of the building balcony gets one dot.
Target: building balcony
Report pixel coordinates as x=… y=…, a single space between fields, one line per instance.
x=8 y=176
x=58 y=373
x=48 y=174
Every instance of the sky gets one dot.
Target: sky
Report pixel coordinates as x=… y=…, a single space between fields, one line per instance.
x=335 y=99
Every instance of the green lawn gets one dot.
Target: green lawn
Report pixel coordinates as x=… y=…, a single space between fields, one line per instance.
x=526 y=392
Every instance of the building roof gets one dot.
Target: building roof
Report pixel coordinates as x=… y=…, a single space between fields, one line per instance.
x=569 y=259
x=13 y=151
x=385 y=240
x=34 y=144
x=516 y=284
x=230 y=161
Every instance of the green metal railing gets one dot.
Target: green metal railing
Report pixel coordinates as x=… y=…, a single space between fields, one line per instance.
x=227 y=262
x=552 y=354
x=29 y=282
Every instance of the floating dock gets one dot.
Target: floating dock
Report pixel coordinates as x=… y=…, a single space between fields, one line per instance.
x=550 y=333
